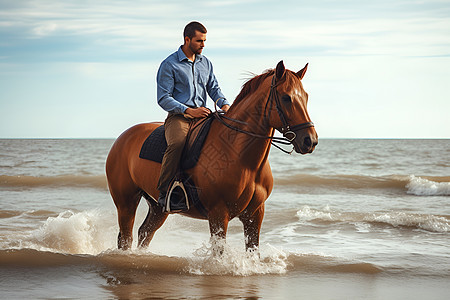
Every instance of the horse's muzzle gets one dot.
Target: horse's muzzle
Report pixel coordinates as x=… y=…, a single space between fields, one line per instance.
x=306 y=141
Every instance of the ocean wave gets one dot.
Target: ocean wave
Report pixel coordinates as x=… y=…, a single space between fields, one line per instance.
x=5 y=214
x=422 y=186
x=313 y=263
x=230 y=262
x=426 y=222
x=35 y=258
x=341 y=181
x=112 y=259
x=72 y=235
x=89 y=238
x=98 y=181
x=425 y=187
x=87 y=232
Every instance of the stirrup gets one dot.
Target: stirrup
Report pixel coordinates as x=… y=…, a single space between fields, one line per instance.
x=176 y=184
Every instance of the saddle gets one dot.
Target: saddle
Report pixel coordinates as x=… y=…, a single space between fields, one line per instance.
x=182 y=187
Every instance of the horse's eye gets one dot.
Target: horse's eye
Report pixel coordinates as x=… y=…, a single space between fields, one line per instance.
x=286 y=98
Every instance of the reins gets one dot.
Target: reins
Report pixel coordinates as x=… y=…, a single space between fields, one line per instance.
x=287 y=130
x=281 y=140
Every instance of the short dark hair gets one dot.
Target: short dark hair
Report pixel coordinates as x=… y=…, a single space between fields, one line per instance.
x=191 y=28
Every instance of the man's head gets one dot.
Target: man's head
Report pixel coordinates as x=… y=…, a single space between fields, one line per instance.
x=191 y=28
x=195 y=37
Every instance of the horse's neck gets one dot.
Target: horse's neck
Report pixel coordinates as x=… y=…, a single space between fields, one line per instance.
x=252 y=112
x=253 y=151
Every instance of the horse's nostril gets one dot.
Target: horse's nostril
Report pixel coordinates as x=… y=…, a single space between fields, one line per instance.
x=307 y=141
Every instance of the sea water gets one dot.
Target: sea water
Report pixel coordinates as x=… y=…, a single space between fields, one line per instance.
x=358 y=218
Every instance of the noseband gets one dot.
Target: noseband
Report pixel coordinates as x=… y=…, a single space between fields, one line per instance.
x=286 y=130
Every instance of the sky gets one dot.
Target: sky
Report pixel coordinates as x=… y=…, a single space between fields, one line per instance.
x=87 y=69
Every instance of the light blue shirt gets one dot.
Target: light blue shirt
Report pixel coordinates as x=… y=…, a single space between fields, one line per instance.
x=182 y=83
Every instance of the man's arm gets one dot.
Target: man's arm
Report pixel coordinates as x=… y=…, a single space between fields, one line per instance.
x=165 y=85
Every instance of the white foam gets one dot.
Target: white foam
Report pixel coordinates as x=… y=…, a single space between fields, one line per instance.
x=236 y=261
x=426 y=222
x=424 y=187
x=308 y=214
x=86 y=232
x=363 y=221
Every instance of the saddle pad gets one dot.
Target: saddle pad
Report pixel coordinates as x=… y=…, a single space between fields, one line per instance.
x=154 y=146
x=194 y=143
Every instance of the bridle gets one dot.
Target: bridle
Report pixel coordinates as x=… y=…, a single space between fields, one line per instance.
x=286 y=130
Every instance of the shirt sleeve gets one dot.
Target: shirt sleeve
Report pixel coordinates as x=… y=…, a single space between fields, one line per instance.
x=165 y=82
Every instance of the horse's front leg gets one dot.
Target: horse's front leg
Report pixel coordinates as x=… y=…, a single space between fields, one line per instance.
x=252 y=225
x=218 y=225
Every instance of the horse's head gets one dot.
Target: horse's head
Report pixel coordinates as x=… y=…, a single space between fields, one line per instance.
x=290 y=100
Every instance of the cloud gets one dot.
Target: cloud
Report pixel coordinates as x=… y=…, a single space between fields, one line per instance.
x=104 y=28
x=117 y=30
x=367 y=57
x=44 y=29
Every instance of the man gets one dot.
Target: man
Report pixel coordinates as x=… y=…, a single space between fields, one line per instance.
x=184 y=81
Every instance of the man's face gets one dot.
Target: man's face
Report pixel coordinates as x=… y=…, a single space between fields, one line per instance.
x=197 y=43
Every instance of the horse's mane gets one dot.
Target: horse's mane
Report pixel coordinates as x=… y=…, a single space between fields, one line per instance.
x=252 y=85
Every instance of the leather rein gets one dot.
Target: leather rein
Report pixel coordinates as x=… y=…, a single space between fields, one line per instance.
x=287 y=131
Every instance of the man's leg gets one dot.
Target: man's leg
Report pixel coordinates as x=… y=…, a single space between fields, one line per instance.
x=176 y=129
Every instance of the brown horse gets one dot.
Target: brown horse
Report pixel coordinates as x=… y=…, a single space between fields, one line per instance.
x=233 y=171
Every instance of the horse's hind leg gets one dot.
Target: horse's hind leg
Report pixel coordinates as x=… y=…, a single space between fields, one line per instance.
x=154 y=220
x=126 y=210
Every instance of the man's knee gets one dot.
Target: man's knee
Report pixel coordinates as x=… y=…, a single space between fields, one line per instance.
x=176 y=146
x=176 y=131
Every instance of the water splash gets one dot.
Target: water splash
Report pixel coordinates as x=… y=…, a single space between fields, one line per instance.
x=219 y=258
x=86 y=232
x=424 y=187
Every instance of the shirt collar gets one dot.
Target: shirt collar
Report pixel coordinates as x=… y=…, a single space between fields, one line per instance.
x=182 y=56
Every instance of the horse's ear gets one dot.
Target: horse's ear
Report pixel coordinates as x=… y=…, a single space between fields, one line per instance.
x=302 y=72
x=279 y=71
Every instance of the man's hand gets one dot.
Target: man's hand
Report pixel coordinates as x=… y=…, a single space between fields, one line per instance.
x=198 y=112
x=225 y=107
